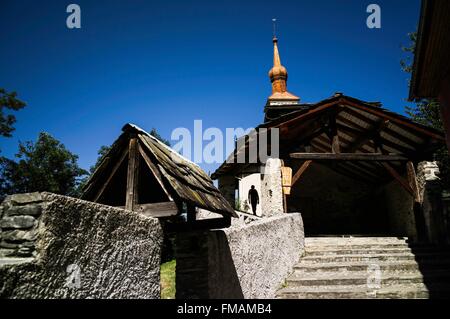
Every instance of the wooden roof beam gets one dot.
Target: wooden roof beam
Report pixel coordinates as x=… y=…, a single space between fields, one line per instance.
x=155 y=171
x=363 y=139
x=349 y=157
x=399 y=179
x=352 y=174
x=110 y=177
x=405 y=123
x=300 y=172
x=132 y=175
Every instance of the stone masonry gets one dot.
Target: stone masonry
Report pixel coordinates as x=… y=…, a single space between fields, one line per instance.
x=19 y=224
x=60 y=247
x=271 y=188
x=432 y=203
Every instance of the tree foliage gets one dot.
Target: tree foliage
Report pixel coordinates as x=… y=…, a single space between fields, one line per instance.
x=155 y=134
x=44 y=165
x=427 y=112
x=8 y=102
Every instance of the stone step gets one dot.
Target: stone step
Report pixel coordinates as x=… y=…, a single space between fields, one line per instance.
x=354 y=240
x=408 y=291
x=343 y=267
x=405 y=265
x=356 y=247
x=15 y=261
x=375 y=257
x=361 y=278
x=380 y=250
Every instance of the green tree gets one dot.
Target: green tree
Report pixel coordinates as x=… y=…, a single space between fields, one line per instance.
x=8 y=102
x=101 y=154
x=45 y=165
x=427 y=112
x=155 y=134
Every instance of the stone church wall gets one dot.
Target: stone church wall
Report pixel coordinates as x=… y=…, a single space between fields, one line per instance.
x=399 y=205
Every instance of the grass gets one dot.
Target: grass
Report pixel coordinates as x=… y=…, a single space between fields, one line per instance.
x=168 y=280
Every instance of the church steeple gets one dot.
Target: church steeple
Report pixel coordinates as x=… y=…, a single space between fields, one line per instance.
x=278 y=76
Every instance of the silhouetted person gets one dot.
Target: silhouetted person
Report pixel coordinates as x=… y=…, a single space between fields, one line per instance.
x=253 y=198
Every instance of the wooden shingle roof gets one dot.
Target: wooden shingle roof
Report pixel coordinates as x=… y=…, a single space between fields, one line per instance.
x=168 y=173
x=356 y=122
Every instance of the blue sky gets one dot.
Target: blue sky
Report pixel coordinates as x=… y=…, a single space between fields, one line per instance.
x=164 y=64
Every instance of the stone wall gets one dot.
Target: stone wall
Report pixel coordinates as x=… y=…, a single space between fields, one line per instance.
x=60 y=247
x=227 y=186
x=249 y=262
x=399 y=205
x=271 y=189
x=19 y=225
x=432 y=203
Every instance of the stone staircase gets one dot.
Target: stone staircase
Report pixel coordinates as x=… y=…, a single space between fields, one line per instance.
x=368 y=267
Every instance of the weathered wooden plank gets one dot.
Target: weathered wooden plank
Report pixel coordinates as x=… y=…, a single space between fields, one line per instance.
x=300 y=171
x=412 y=180
x=164 y=209
x=356 y=129
x=349 y=157
x=393 y=118
x=399 y=178
x=154 y=170
x=333 y=133
x=335 y=148
x=113 y=172
x=132 y=175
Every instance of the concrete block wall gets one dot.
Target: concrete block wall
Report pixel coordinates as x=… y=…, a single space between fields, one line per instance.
x=60 y=247
x=249 y=261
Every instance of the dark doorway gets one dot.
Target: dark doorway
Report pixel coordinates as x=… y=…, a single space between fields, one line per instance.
x=335 y=204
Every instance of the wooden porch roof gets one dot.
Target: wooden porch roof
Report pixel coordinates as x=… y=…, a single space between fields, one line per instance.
x=359 y=126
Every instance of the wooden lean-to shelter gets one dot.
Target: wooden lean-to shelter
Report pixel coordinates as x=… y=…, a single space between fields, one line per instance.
x=142 y=174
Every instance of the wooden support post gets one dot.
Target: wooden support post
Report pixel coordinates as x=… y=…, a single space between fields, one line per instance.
x=333 y=134
x=282 y=190
x=412 y=180
x=191 y=213
x=399 y=179
x=419 y=217
x=300 y=171
x=132 y=175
